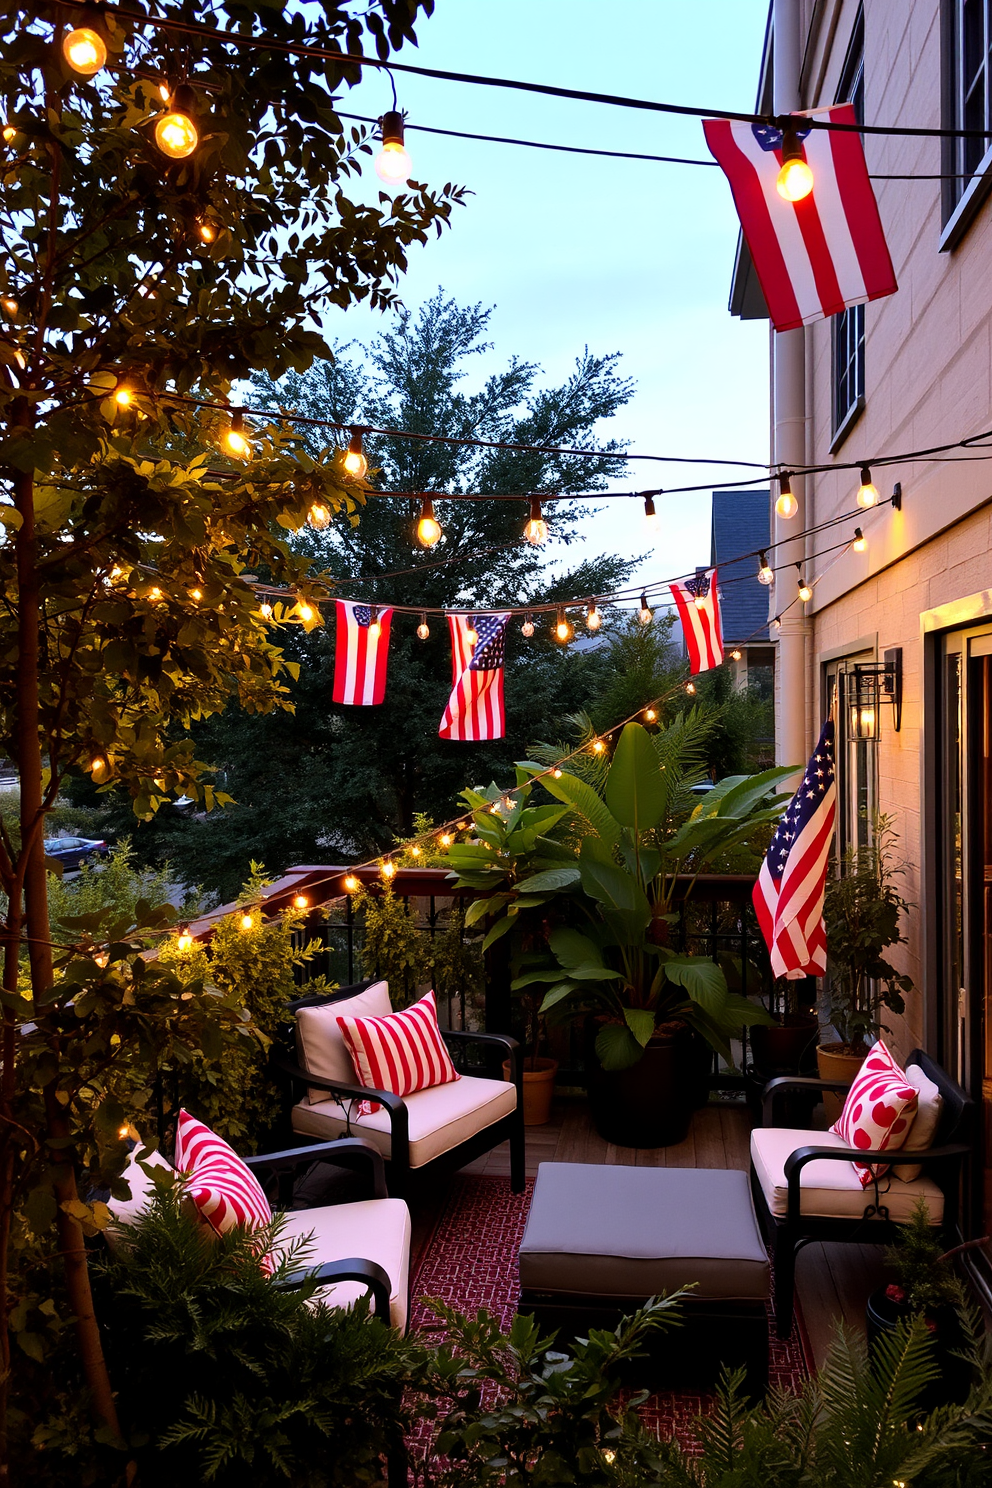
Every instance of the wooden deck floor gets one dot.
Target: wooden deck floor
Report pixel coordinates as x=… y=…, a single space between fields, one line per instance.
x=833 y=1280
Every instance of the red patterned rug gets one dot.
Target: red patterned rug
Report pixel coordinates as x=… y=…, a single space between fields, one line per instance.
x=470 y=1261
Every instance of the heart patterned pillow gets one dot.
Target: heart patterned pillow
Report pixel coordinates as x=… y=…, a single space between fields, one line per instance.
x=878 y=1112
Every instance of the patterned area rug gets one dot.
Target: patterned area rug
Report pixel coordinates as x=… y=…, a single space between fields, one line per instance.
x=470 y=1261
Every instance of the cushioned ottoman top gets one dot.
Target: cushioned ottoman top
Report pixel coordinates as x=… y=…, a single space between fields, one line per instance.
x=596 y=1230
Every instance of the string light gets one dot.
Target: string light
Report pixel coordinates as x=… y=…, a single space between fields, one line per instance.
x=593 y=619
x=556 y=773
x=207 y=230
x=306 y=612
x=860 y=542
x=393 y=165
x=9 y=305
x=85 y=51
x=527 y=628
x=9 y=133
x=154 y=594
x=563 y=628
x=445 y=839
x=123 y=396
x=766 y=574
x=354 y=461
x=786 y=505
x=598 y=746
x=536 y=530
x=235 y=441
x=415 y=852
x=735 y=656
x=184 y=941
x=650 y=715
x=247 y=921
x=645 y=614
x=352 y=883
x=176 y=133
x=795 y=179
x=423 y=629
x=196 y=594
x=388 y=869
x=805 y=592
x=651 y=519
x=300 y=901
x=471 y=634
x=99 y=767
x=690 y=688
x=428 y=528
x=375 y=624
x=867 y=491
x=319 y=516
x=265 y=610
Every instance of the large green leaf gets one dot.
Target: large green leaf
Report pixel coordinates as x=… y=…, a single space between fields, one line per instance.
x=613 y=886
x=641 y=1024
x=616 y=1047
x=557 y=994
x=587 y=803
x=502 y=927
x=571 y=948
x=748 y=791
x=636 y=792
x=702 y=979
x=549 y=880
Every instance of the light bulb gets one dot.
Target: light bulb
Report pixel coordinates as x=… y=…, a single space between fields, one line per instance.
x=265 y=610
x=154 y=595
x=766 y=574
x=593 y=619
x=700 y=601
x=445 y=839
x=319 y=516
x=351 y=883
x=184 y=941
x=354 y=461
x=645 y=614
x=786 y=505
x=795 y=179
x=651 y=519
x=415 y=852
x=650 y=715
x=123 y=397
x=176 y=135
x=428 y=528
x=235 y=441
x=207 y=231
x=388 y=869
x=690 y=688
x=867 y=491
x=556 y=773
x=536 y=530
x=300 y=901
x=393 y=164
x=598 y=746
x=527 y=628
x=563 y=628
x=860 y=542
x=305 y=611
x=163 y=92
x=375 y=630
x=99 y=768
x=9 y=305
x=423 y=629
x=9 y=133
x=196 y=594
x=85 y=51
x=805 y=592
x=735 y=656
x=247 y=921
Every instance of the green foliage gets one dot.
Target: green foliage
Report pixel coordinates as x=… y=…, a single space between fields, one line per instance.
x=862 y=910
x=116 y=886
x=406 y=955
x=924 y=1274
x=227 y=1377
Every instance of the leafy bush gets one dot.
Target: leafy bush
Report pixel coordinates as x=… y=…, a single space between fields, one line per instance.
x=408 y=956
x=117 y=886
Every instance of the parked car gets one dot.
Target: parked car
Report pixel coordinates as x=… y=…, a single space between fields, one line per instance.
x=72 y=852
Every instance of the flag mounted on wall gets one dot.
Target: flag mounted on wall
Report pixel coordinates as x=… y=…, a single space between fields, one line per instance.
x=698 y=604
x=788 y=896
x=825 y=252
x=475 y=707
x=360 y=653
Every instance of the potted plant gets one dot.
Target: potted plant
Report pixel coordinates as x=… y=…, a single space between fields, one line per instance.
x=926 y=1286
x=787 y=1045
x=862 y=909
x=538 y=1070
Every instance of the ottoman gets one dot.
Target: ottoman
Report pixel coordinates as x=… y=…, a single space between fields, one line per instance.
x=600 y=1240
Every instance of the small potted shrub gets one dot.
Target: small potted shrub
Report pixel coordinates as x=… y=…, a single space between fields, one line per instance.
x=539 y=1070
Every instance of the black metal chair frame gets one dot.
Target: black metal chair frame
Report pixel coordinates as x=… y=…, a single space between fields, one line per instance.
x=509 y=1128
x=789 y=1233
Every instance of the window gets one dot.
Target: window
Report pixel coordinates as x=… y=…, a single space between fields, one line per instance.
x=856 y=761
x=849 y=325
x=967 y=104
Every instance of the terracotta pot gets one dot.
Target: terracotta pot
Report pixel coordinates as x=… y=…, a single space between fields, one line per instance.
x=785 y=1047
x=651 y=1103
x=883 y=1316
x=834 y=1062
x=539 y=1087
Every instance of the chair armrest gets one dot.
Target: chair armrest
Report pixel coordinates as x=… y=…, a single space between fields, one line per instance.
x=351 y=1269
x=399 y=1121
x=501 y=1040
x=346 y=1152
x=793 y=1082
x=797 y=1160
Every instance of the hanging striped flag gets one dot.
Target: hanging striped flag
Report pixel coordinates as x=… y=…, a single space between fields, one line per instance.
x=788 y=896
x=360 y=653
x=475 y=707
x=698 y=604
x=819 y=255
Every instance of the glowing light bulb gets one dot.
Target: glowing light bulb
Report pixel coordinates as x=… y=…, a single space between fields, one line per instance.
x=123 y=1132
x=176 y=135
x=247 y=921
x=765 y=572
x=154 y=595
x=795 y=179
x=196 y=594
x=700 y=601
x=306 y=612
x=354 y=461
x=527 y=629
x=428 y=528
x=163 y=92
x=351 y=883
x=651 y=519
x=690 y=688
x=867 y=491
x=786 y=505
x=300 y=901
x=99 y=767
x=645 y=614
x=860 y=542
x=375 y=627
x=319 y=516
x=235 y=440
x=265 y=610
x=536 y=530
x=9 y=133
x=805 y=592
x=207 y=231
x=563 y=628
x=388 y=869
x=184 y=941
x=101 y=959
x=85 y=51
x=423 y=629
x=556 y=773
x=415 y=852
x=445 y=839
x=593 y=619
x=598 y=746
x=123 y=397
x=735 y=656
x=471 y=635
x=393 y=164
x=9 y=305
x=650 y=715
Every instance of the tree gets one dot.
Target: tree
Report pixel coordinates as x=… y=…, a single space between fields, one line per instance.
x=135 y=289
x=327 y=781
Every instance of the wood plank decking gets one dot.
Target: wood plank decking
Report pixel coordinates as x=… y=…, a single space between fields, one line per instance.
x=833 y=1280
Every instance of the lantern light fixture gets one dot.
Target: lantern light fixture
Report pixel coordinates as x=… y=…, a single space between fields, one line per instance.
x=536 y=530
x=766 y=574
x=867 y=687
x=354 y=461
x=867 y=491
x=794 y=181
x=786 y=505
x=428 y=528
x=393 y=165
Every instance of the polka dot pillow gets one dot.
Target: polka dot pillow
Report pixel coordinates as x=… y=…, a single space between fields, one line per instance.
x=878 y=1112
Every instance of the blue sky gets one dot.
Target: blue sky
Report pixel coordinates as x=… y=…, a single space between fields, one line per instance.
x=623 y=255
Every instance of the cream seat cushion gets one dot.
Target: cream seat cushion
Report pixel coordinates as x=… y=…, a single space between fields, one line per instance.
x=923 y=1132
x=372 y=1230
x=440 y=1118
x=320 y=1044
x=831 y=1189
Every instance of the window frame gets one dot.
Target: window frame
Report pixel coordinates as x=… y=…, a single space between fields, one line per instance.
x=960 y=203
x=851 y=88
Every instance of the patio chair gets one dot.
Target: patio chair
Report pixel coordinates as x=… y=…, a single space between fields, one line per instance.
x=805 y=1186
x=447 y=1125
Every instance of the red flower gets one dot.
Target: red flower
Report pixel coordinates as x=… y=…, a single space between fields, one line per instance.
x=895 y=1293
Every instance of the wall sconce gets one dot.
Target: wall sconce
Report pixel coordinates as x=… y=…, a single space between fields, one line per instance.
x=870 y=686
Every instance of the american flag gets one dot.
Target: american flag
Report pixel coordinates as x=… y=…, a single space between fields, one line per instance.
x=475 y=707
x=788 y=896
x=815 y=256
x=698 y=604
x=360 y=654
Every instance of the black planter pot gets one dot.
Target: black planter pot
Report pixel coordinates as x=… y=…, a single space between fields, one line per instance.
x=883 y=1316
x=651 y=1103
x=787 y=1047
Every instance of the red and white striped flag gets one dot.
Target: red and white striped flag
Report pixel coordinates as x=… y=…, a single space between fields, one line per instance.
x=698 y=604
x=788 y=897
x=360 y=653
x=819 y=255
x=475 y=707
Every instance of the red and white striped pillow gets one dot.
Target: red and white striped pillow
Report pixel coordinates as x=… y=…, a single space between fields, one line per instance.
x=225 y=1192
x=878 y=1111
x=402 y=1052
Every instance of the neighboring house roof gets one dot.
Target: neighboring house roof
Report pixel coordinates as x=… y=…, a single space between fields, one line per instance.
x=741 y=524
